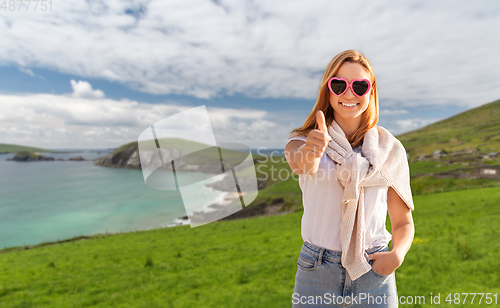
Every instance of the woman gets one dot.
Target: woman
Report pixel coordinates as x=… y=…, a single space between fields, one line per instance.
x=351 y=172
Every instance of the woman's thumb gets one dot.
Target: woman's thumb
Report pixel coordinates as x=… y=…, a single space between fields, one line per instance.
x=320 y=119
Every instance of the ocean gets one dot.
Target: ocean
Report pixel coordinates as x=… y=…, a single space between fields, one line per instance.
x=54 y=200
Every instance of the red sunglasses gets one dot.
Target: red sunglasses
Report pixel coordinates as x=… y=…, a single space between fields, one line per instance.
x=338 y=86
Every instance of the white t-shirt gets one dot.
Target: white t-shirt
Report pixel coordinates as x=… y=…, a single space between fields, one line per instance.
x=321 y=195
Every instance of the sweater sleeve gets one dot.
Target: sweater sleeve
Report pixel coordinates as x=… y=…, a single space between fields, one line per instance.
x=302 y=138
x=399 y=180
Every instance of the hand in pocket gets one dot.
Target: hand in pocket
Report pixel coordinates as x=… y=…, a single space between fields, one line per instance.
x=385 y=263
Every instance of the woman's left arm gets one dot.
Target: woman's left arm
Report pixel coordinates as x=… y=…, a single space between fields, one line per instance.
x=402 y=235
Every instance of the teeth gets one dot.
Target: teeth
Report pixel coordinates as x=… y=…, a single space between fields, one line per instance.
x=348 y=105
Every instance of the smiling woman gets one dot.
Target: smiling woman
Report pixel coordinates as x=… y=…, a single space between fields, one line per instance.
x=348 y=192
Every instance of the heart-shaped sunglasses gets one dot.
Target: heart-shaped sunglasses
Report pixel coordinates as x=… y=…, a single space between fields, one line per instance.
x=338 y=86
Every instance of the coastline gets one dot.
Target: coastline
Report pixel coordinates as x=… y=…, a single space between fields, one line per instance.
x=225 y=199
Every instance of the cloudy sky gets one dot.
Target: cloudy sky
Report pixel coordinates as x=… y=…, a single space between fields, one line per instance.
x=95 y=74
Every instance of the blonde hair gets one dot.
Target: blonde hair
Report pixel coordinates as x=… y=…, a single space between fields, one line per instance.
x=369 y=118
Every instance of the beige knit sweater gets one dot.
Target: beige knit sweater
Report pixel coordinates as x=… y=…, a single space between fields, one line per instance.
x=383 y=163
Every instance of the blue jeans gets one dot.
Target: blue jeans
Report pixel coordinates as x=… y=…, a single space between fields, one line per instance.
x=322 y=281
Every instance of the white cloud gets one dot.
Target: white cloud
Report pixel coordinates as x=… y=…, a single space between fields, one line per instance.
x=425 y=51
x=27 y=71
x=62 y=121
x=83 y=89
x=411 y=124
x=393 y=111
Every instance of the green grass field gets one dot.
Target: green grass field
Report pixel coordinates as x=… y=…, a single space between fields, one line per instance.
x=249 y=263
x=423 y=167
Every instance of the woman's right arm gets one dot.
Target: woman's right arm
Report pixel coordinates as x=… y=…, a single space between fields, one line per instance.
x=303 y=157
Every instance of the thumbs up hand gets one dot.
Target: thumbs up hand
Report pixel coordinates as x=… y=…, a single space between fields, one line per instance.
x=317 y=139
x=320 y=119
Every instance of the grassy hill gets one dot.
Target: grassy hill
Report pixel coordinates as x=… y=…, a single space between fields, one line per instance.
x=249 y=263
x=473 y=131
x=466 y=140
x=14 y=148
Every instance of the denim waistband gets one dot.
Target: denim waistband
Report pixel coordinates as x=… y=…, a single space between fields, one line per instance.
x=324 y=253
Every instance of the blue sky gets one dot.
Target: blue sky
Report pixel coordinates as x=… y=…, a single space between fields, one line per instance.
x=95 y=74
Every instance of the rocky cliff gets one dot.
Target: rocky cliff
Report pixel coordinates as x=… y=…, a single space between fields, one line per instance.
x=126 y=156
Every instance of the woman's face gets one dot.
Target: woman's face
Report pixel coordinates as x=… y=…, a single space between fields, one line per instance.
x=350 y=71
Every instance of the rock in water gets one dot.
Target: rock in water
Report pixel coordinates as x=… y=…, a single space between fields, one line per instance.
x=29 y=156
x=78 y=158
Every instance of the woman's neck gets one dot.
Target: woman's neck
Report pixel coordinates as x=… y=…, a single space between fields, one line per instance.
x=349 y=126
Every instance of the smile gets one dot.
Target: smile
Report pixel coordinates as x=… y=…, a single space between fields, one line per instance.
x=348 y=105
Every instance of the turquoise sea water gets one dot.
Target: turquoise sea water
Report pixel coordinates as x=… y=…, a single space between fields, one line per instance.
x=55 y=200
